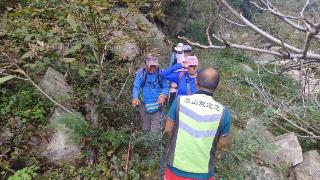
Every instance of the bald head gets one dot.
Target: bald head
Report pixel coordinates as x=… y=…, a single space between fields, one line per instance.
x=208 y=78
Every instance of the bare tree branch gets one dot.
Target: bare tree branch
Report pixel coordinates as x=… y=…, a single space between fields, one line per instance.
x=269 y=7
x=257 y=29
x=251 y=49
x=266 y=100
x=232 y=22
x=208 y=34
x=13 y=61
x=304 y=8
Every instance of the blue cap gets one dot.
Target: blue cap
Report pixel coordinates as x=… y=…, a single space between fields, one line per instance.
x=186 y=48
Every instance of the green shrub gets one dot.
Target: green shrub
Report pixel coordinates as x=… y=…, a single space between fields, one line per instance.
x=24 y=103
x=27 y=173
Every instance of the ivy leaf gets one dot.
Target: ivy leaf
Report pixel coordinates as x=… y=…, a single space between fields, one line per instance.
x=72 y=21
x=6 y=78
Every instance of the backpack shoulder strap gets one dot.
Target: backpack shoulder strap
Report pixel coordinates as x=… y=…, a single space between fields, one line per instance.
x=159 y=78
x=181 y=73
x=144 y=76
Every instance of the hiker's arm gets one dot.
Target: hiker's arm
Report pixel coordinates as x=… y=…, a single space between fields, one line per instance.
x=171 y=118
x=223 y=140
x=137 y=84
x=170 y=73
x=169 y=127
x=165 y=87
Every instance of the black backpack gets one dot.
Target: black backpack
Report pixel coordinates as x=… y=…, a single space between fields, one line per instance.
x=145 y=78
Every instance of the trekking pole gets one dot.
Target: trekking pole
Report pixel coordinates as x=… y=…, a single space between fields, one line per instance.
x=130 y=140
x=161 y=146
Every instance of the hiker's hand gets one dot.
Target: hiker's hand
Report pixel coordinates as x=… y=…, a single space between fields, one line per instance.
x=161 y=99
x=184 y=64
x=135 y=102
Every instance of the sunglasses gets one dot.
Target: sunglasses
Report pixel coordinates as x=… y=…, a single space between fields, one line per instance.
x=193 y=66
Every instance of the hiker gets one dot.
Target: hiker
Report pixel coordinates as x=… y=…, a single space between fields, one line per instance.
x=186 y=51
x=154 y=92
x=197 y=125
x=185 y=79
x=177 y=52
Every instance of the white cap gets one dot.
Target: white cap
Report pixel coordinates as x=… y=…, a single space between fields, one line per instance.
x=179 y=47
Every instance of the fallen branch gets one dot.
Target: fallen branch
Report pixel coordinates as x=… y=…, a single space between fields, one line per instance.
x=33 y=83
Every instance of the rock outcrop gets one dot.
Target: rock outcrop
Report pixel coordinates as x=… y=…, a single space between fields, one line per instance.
x=61 y=147
x=55 y=86
x=262 y=173
x=309 y=168
x=288 y=151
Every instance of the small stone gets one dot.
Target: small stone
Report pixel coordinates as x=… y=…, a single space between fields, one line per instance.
x=30 y=127
x=245 y=68
x=265 y=59
x=6 y=136
x=34 y=141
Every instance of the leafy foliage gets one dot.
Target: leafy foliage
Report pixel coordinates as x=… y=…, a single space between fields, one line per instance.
x=25 y=104
x=27 y=173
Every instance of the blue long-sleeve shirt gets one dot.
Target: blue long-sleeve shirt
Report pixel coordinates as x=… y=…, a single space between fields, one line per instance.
x=151 y=90
x=173 y=76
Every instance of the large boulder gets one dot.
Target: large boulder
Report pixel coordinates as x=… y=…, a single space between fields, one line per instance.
x=62 y=148
x=124 y=46
x=288 y=151
x=262 y=173
x=309 y=168
x=141 y=29
x=54 y=85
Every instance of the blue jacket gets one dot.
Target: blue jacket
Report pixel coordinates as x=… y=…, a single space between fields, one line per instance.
x=151 y=90
x=173 y=76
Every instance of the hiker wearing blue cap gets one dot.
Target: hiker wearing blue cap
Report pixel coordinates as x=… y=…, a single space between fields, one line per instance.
x=154 y=92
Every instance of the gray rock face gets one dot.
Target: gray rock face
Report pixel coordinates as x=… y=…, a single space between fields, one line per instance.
x=124 y=46
x=263 y=173
x=54 y=85
x=62 y=148
x=309 y=169
x=142 y=29
x=288 y=151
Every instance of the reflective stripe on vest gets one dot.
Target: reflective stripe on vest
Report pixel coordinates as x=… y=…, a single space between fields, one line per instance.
x=199 y=118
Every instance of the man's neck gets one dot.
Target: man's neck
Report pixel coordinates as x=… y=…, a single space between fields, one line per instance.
x=204 y=91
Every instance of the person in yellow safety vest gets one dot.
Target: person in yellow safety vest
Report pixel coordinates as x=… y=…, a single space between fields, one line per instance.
x=197 y=124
